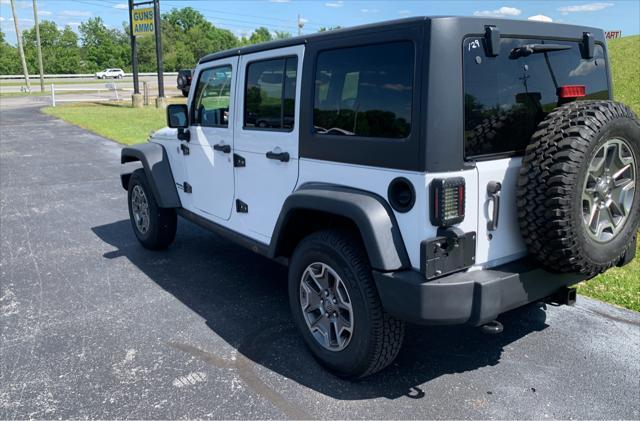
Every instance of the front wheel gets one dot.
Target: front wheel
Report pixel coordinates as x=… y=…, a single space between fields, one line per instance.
x=336 y=306
x=155 y=227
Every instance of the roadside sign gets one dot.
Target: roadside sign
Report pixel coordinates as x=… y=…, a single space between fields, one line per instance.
x=142 y=21
x=613 y=34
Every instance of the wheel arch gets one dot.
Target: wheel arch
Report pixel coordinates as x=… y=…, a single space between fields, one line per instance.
x=318 y=206
x=155 y=163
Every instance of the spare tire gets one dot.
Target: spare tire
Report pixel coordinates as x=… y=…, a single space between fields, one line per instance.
x=578 y=205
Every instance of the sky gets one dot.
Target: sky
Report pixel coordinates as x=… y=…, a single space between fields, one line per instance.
x=242 y=16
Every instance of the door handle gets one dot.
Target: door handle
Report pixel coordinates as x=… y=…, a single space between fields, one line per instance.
x=280 y=156
x=222 y=148
x=493 y=190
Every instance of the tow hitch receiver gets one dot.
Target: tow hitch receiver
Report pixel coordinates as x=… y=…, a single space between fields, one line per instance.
x=565 y=295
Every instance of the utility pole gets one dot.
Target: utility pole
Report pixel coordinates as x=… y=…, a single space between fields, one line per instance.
x=160 y=101
x=20 y=48
x=39 y=45
x=300 y=25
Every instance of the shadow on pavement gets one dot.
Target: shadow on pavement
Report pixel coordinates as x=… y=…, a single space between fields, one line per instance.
x=243 y=298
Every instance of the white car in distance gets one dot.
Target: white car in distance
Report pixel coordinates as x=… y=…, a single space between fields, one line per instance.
x=110 y=73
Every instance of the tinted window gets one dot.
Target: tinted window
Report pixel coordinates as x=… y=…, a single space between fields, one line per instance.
x=507 y=96
x=212 y=97
x=365 y=91
x=270 y=94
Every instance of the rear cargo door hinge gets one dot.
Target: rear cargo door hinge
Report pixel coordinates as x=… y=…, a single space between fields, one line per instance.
x=238 y=161
x=241 y=207
x=187 y=187
x=185 y=149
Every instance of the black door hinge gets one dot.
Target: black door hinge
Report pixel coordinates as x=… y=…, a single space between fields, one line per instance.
x=238 y=161
x=185 y=149
x=241 y=207
x=187 y=187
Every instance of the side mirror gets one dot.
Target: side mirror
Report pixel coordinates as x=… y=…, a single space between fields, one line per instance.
x=177 y=116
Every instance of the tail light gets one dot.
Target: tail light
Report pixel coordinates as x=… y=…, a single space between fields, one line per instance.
x=571 y=91
x=447 y=201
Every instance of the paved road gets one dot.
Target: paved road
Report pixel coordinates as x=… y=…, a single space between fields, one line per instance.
x=92 y=325
x=86 y=83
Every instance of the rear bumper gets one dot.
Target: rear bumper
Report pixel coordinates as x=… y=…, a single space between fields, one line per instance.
x=471 y=298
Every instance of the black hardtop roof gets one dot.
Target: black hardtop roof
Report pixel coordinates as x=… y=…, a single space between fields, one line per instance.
x=474 y=24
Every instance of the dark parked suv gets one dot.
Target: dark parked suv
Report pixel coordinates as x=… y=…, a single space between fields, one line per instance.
x=184 y=80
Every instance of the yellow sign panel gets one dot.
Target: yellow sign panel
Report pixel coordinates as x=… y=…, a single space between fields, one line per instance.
x=142 y=21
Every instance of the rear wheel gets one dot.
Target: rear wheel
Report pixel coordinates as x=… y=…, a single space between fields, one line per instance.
x=155 y=227
x=578 y=205
x=336 y=306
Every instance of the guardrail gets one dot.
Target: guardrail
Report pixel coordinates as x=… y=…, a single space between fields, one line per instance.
x=76 y=76
x=109 y=87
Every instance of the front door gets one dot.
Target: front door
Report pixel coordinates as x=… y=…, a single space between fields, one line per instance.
x=209 y=157
x=266 y=137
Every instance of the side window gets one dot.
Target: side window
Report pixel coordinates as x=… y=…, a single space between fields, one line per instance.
x=365 y=91
x=212 y=97
x=270 y=94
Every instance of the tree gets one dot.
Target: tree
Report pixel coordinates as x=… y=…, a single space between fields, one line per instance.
x=103 y=47
x=281 y=35
x=186 y=37
x=184 y=19
x=60 y=50
x=9 y=60
x=261 y=34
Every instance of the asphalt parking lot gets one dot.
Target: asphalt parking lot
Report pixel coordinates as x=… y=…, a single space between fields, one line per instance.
x=94 y=326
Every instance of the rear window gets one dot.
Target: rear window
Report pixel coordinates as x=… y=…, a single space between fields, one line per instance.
x=506 y=97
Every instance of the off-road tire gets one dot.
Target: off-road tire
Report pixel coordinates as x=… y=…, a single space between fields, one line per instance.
x=551 y=180
x=162 y=221
x=377 y=336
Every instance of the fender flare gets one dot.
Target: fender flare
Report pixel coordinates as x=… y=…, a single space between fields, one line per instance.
x=370 y=213
x=156 y=166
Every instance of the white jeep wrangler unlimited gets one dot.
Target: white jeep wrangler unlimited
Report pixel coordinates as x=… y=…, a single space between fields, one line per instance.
x=430 y=170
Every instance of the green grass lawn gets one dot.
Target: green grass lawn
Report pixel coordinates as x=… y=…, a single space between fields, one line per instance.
x=619 y=286
x=624 y=54
x=118 y=122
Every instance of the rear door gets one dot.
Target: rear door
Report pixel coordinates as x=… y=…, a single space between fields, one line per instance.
x=266 y=136
x=505 y=98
